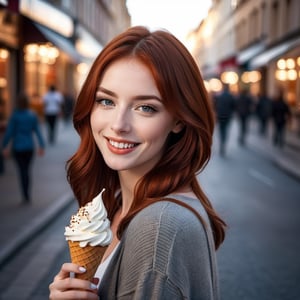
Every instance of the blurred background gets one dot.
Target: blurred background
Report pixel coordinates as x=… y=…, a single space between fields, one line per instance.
x=252 y=43
x=251 y=46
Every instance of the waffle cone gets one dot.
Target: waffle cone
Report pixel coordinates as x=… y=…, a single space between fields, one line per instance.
x=88 y=257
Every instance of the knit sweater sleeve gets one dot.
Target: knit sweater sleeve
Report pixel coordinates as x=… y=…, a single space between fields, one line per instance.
x=166 y=255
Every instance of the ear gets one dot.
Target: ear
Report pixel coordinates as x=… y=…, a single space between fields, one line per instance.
x=177 y=127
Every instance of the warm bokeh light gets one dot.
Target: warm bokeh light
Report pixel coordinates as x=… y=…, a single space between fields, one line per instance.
x=44 y=53
x=82 y=68
x=215 y=85
x=4 y=54
x=281 y=64
x=229 y=77
x=291 y=74
x=290 y=63
x=3 y=82
x=281 y=75
x=251 y=77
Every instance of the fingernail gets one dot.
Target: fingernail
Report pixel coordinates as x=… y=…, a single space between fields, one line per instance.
x=82 y=269
x=93 y=286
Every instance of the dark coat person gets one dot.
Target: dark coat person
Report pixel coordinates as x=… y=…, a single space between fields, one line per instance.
x=244 y=107
x=280 y=114
x=224 y=104
x=263 y=112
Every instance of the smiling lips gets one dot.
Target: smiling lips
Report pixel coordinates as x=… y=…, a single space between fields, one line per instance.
x=121 y=147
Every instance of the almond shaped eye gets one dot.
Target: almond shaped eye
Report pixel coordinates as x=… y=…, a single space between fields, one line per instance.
x=147 y=109
x=105 y=102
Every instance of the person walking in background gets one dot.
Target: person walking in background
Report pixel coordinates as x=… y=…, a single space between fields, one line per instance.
x=22 y=126
x=263 y=112
x=244 y=108
x=146 y=131
x=281 y=115
x=67 y=107
x=53 y=101
x=224 y=105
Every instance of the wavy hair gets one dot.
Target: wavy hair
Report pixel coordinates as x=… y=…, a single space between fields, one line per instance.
x=180 y=84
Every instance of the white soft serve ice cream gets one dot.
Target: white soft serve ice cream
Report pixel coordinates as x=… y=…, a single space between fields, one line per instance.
x=90 y=226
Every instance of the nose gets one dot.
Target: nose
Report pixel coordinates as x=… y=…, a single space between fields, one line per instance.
x=121 y=121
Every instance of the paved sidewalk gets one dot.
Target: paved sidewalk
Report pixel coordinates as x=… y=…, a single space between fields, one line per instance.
x=50 y=193
x=286 y=158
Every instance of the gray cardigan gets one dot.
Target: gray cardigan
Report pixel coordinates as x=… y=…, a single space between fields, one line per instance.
x=166 y=253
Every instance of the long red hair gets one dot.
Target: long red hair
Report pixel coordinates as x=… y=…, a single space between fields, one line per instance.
x=181 y=87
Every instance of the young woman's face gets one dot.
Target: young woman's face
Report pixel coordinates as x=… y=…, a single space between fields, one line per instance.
x=129 y=121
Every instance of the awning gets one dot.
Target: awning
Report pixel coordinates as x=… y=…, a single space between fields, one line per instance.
x=275 y=52
x=61 y=42
x=245 y=55
x=86 y=44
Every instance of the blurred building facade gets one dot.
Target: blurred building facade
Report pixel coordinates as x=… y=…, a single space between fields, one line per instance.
x=53 y=42
x=254 y=44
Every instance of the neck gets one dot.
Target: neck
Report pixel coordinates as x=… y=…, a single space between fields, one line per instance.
x=128 y=182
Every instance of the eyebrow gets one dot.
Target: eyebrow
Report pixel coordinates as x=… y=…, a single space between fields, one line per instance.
x=137 y=97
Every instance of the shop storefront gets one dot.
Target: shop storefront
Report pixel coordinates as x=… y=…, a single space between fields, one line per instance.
x=9 y=43
x=41 y=45
x=35 y=52
x=48 y=54
x=287 y=74
x=281 y=65
x=48 y=59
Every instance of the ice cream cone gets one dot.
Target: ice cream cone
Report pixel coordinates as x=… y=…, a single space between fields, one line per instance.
x=88 y=257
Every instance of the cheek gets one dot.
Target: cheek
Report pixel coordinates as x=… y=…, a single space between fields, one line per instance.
x=158 y=134
x=95 y=121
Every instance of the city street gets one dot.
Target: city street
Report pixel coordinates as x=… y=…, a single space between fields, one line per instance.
x=260 y=256
x=258 y=260
x=54 y=54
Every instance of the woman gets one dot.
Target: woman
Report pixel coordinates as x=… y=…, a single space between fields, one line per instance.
x=146 y=128
x=22 y=126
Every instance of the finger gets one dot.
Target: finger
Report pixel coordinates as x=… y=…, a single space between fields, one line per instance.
x=63 y=287
x=67 y=268
x=73 y=294
x=76 y=283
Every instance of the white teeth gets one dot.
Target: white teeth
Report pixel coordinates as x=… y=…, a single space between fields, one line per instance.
x=121 y=145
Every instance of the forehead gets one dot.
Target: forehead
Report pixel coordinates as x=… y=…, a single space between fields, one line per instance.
x=128 y=71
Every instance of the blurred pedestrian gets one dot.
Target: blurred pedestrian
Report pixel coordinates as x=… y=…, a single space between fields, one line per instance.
x=244 y=108
x=146 y=131
x=22 y=126
x=263 y=112
x=224 y=104
x=67 y=107
x=281 y=114
x=53 y=101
